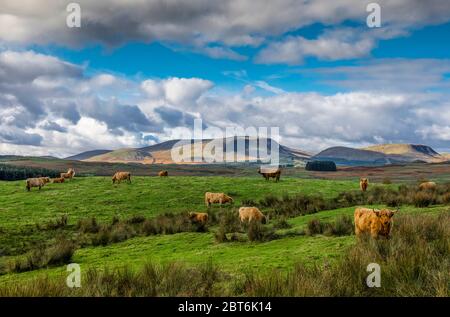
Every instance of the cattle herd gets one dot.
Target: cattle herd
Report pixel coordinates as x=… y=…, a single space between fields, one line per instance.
x=376 y=223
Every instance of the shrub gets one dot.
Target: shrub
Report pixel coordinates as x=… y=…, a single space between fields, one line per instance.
x=61 y=252
x=282 y=223
x=387 y=181
x=423 y=199
x=258 y=232
x=446 y=198
x=102 y=237
x=88 y=225
x=136 y=219
x=342 y=226
x=314 y=227
x=55 y=224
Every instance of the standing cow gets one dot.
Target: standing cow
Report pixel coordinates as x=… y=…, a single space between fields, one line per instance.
x=120 y=176
x=249 y=214
x=273 y=173
x=69 y=175
x=363 y=184
x=217 y=198
x=163 y=173
x=377 y=223
x=34 y=182
x=428 y=186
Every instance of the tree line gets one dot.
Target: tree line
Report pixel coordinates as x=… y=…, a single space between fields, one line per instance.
x=13 y=173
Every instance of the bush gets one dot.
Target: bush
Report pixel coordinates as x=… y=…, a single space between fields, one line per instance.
x=59 y=253
x=88 y=225
x=446 y=198
x=54 y=224
x=423 y=199
x=136 y=219
x=314 y=227
x=387 y=181
x=343 y=225
x=323 y=166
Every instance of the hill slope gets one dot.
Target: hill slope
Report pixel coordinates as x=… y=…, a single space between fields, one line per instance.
x=161 y=153
x=86 y=155
x=414 y=152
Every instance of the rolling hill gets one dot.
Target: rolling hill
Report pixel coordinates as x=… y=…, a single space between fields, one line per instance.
x=413 y=152
x=161 y=153
x=381 y=154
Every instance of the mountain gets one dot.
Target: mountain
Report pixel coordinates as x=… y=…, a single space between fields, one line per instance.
x=381 y=154
x=414 y=152
x=349 y=156
x=86 y=155
x=161 y=153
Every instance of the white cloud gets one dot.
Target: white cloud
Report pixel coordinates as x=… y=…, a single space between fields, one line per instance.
x=333 y=45
x=176 y=91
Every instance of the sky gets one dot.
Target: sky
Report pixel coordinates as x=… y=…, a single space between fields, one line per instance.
x=140 y=72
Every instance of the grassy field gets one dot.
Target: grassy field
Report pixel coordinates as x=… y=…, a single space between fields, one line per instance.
x=21 y=212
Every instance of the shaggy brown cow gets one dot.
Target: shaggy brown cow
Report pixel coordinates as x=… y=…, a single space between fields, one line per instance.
x=120 y=176
x=248 y=214
x=376 y=222
x=363 y=184
x=198 y=217
x=274 y=173
x=58 y=180
x=34 y=182
x=217 y=198
x=69 y=175
x=163 y=173
x=46 y=180
x=428 y=186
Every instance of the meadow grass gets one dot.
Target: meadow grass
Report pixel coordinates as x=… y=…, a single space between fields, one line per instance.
x=30 y=219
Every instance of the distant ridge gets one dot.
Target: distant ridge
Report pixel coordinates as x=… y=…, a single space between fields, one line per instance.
x=381 y=154
x=161 y=153
x=85 y=155
x=417 y=152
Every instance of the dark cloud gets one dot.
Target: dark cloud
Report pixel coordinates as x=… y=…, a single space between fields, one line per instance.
x=176 y=118
x=53 y=126
x=116 y=115
x=13 y=135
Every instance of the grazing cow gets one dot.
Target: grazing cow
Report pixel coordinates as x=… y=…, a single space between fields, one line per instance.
x=34 y=182
x=363 y=184
x=270 y=173
x=376 y=222
x=46 y=180
x=428 y=186
x=198 y=217
x=248 y=214
x=163 y=173
x=120 y=176
x=217 y=198
x=58 y=180
x=69 y=175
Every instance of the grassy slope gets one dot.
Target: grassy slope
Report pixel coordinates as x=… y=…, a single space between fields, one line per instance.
x=150 y=196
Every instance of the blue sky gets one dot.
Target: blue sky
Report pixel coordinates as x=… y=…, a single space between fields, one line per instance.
x=314 y=69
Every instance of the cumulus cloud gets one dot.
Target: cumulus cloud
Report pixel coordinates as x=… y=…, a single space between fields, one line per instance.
x=176 y=91
x=333 y=45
